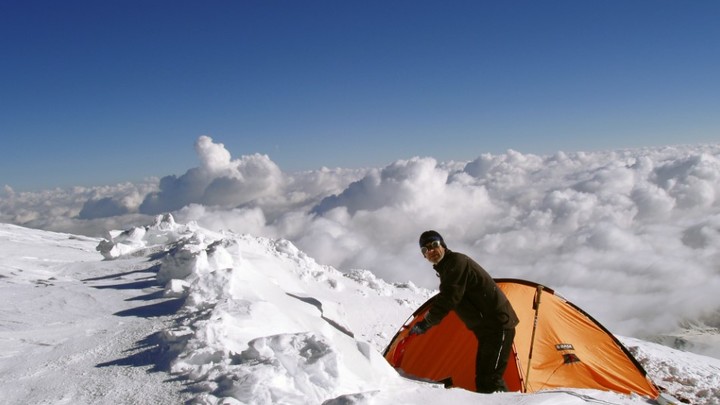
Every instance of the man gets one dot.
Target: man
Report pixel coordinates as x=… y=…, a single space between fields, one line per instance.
x=467 y=289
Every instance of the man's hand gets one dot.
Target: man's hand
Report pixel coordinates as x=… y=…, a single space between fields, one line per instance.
x=420 y=328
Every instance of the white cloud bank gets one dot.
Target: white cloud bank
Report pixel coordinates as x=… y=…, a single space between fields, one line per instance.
x=632 y=236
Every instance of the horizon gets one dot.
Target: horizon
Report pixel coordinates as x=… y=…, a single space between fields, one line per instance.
x=104 y=93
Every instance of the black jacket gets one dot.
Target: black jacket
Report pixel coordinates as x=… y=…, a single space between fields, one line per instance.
x=471 y=292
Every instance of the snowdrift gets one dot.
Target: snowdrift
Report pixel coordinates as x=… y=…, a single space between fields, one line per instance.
x=176 y=312
x=261 y=322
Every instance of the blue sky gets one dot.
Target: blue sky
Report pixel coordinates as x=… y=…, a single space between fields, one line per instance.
x=108 y=91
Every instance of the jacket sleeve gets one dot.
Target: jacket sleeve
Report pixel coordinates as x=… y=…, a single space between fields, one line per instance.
x=453 y=282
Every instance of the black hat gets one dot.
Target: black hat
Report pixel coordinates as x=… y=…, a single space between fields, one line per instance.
x=430 y=236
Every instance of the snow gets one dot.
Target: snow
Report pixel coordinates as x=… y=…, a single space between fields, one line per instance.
x=170 y=313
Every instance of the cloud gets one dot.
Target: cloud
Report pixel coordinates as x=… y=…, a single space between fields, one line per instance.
x=632 y=236
x=397 y=185
x=252 y=180
x=219 y=184
x=692 y=181
x=102 y=208
x=81 y=210
x=219 y=181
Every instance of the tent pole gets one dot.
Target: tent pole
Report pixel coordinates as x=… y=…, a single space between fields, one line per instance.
x=536 y=307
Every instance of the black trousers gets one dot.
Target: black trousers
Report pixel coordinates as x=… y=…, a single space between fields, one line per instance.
x=492 y=358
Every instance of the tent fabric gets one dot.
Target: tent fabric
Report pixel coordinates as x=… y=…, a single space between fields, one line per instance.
x=565 y=348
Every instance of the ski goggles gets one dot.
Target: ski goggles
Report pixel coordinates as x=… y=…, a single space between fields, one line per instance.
x=430 y=246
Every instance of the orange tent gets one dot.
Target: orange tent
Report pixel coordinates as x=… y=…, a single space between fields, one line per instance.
x=557 y=345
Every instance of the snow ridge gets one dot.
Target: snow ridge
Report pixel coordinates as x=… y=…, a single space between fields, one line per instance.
x=263 y=323
x=261 y=328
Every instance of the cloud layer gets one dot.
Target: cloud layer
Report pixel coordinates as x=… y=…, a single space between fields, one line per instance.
x=631 y=236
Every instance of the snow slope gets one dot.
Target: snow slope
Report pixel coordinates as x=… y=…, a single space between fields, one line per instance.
x=174 y=313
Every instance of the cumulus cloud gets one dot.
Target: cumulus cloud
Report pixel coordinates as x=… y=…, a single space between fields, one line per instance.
x=120 y=203
x=219 y=181
x=219 y=184
x=251 y=180
x=632 y=236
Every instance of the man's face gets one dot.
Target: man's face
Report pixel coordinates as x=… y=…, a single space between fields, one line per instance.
x=433 y=251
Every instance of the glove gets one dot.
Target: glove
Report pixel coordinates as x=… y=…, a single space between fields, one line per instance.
x=420 y=328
